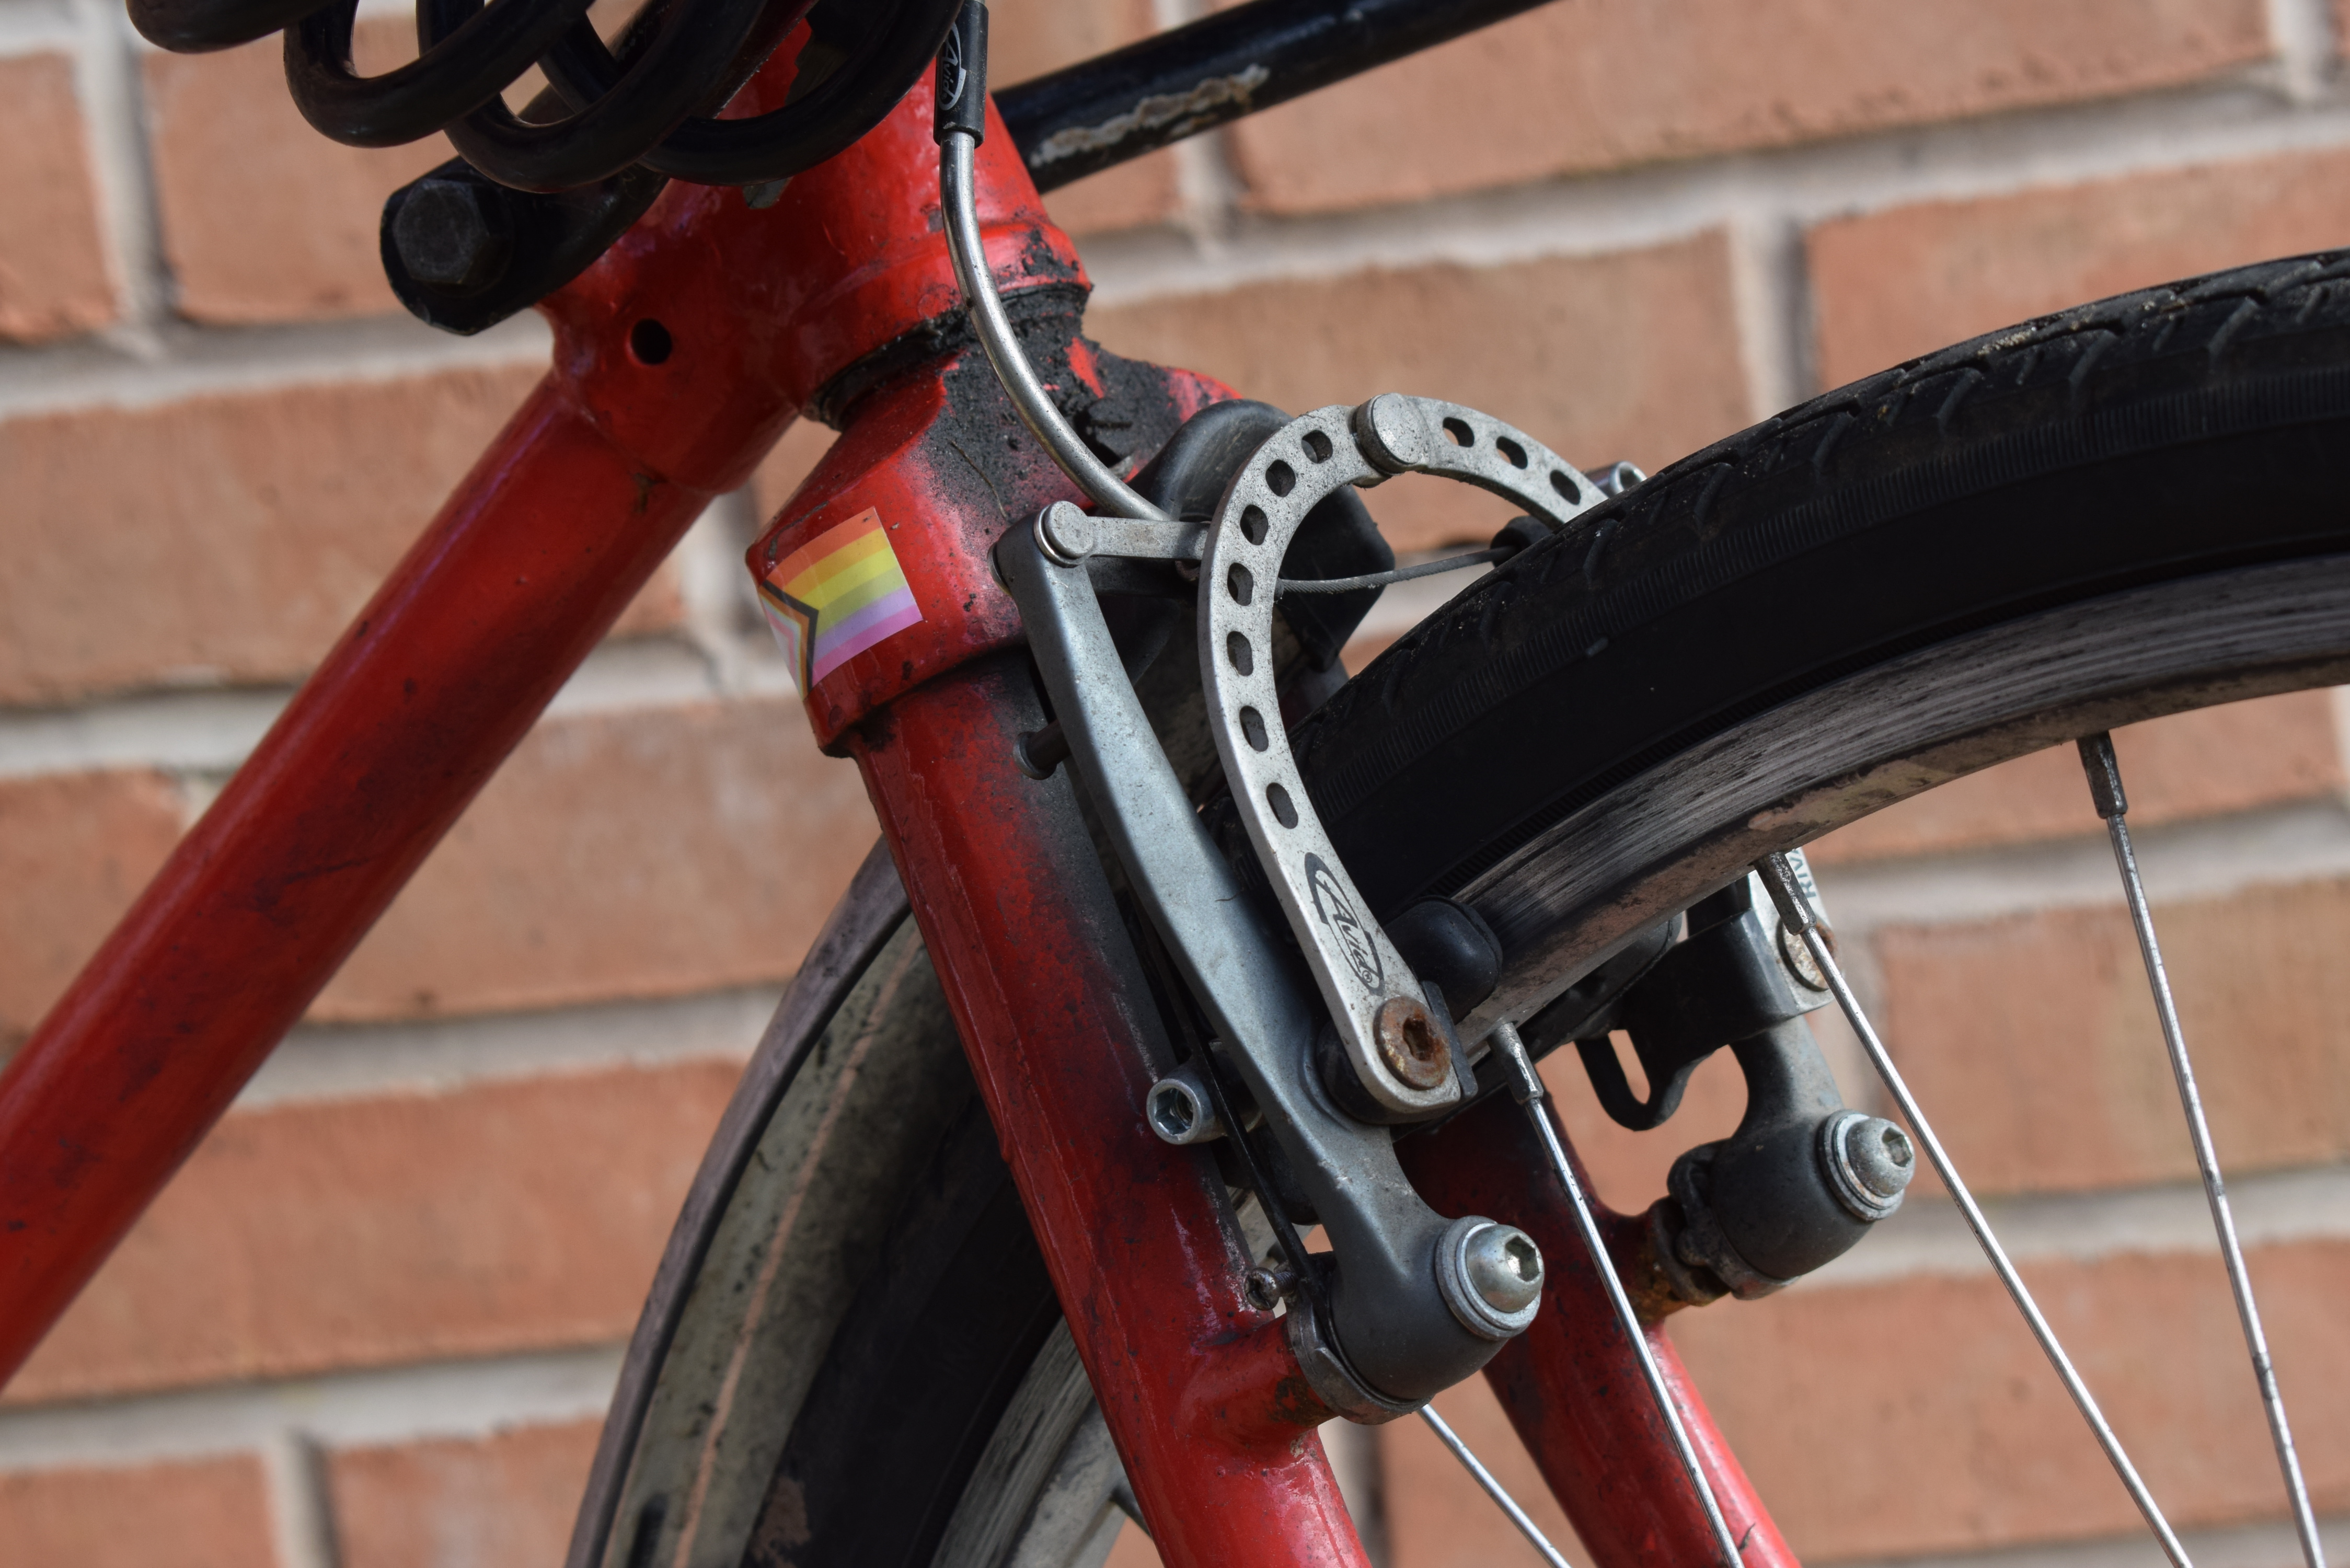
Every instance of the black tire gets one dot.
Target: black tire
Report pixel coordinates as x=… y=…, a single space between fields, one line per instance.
x=2158 y=437
x=2134 y=507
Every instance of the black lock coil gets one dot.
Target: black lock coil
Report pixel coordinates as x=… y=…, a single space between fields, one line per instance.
x=645 y=103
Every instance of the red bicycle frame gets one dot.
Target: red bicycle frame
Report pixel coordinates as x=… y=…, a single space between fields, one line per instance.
x=525 y=569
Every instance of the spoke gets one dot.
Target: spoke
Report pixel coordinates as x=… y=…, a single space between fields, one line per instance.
x=1779 y=878
x=1528 y=1090
x=2104 y=772
x=1494 y=1488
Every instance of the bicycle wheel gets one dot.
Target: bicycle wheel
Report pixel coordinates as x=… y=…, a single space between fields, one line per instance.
x=2127 y=510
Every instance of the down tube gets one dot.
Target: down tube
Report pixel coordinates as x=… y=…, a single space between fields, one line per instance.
x=1571 y=1383
x=444 y=673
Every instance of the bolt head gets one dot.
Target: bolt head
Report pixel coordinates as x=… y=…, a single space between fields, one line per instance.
x=1267 y=1288
x=1066 y=534
x=1175 y=1111
x=1881 y=1156
x=1504 y=1267
x=1410 y=1046
x=453 y=234
x=1393 y=436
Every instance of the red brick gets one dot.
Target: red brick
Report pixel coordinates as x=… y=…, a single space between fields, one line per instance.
x=2244 y=756
x=1527 y=341
x=2032 y=1040
x=74 y=849
x=1610 y=83
x=53 y=265
x=262 y=218
x=198 y=1514
x=453 y=1502
x=1890 y=285
x=655 y=852
x=1918 y=1416
x=1129 y=196
x=306 y=1237
x=229 y=537
x=1437 y=1517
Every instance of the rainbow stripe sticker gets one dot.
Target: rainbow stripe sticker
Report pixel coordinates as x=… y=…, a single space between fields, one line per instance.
x=836 y=595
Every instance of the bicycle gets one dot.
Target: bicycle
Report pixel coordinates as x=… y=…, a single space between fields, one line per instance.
x=1553 y=897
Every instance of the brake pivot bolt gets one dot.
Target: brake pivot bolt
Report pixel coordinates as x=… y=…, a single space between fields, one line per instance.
x=1868 y=1162
x=453 y=234
x=1409 y=1045
x=1505 y=1268
x=1491 y=1275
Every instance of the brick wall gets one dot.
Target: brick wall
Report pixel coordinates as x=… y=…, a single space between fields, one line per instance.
x=376 y=1319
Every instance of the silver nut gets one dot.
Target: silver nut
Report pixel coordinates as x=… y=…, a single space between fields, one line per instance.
x=1868 y=1163
x=1064 y=534
x=1491 y=1275
x=1180 y=1111
x=1390 y=434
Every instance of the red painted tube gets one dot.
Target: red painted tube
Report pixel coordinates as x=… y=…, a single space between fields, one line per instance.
x=529 y=563
x=1201 y=1392
x=1571 y=1383
x=525 y=569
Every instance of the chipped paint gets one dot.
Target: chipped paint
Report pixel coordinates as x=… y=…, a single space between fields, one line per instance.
x=1156 y=113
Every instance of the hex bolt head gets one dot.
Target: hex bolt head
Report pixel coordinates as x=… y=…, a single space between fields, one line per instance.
x=1881 y=1156
x=1409 y=1045
x=1179 y=1109
x=453 y=234
x=1868 y=1163
x=1504 y=1267
x=1491 y=1275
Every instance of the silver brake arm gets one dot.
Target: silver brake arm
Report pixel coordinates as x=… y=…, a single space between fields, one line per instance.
x=1393 y=1307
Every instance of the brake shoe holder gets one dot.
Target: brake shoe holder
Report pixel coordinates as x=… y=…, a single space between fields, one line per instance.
x=1392 y=1325
x=1803 y=1178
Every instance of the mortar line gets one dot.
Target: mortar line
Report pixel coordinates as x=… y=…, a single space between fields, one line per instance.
x=1927 y=1237
x=1770 y=289
x=2304 y=31
x=2216 y=856
x=106 y=81
x=332 y=1062
x=301 y=1516
x=38 y=28
x=422 y=1400
x=175 y=361
x=2266 y=1545
x=209 y=731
